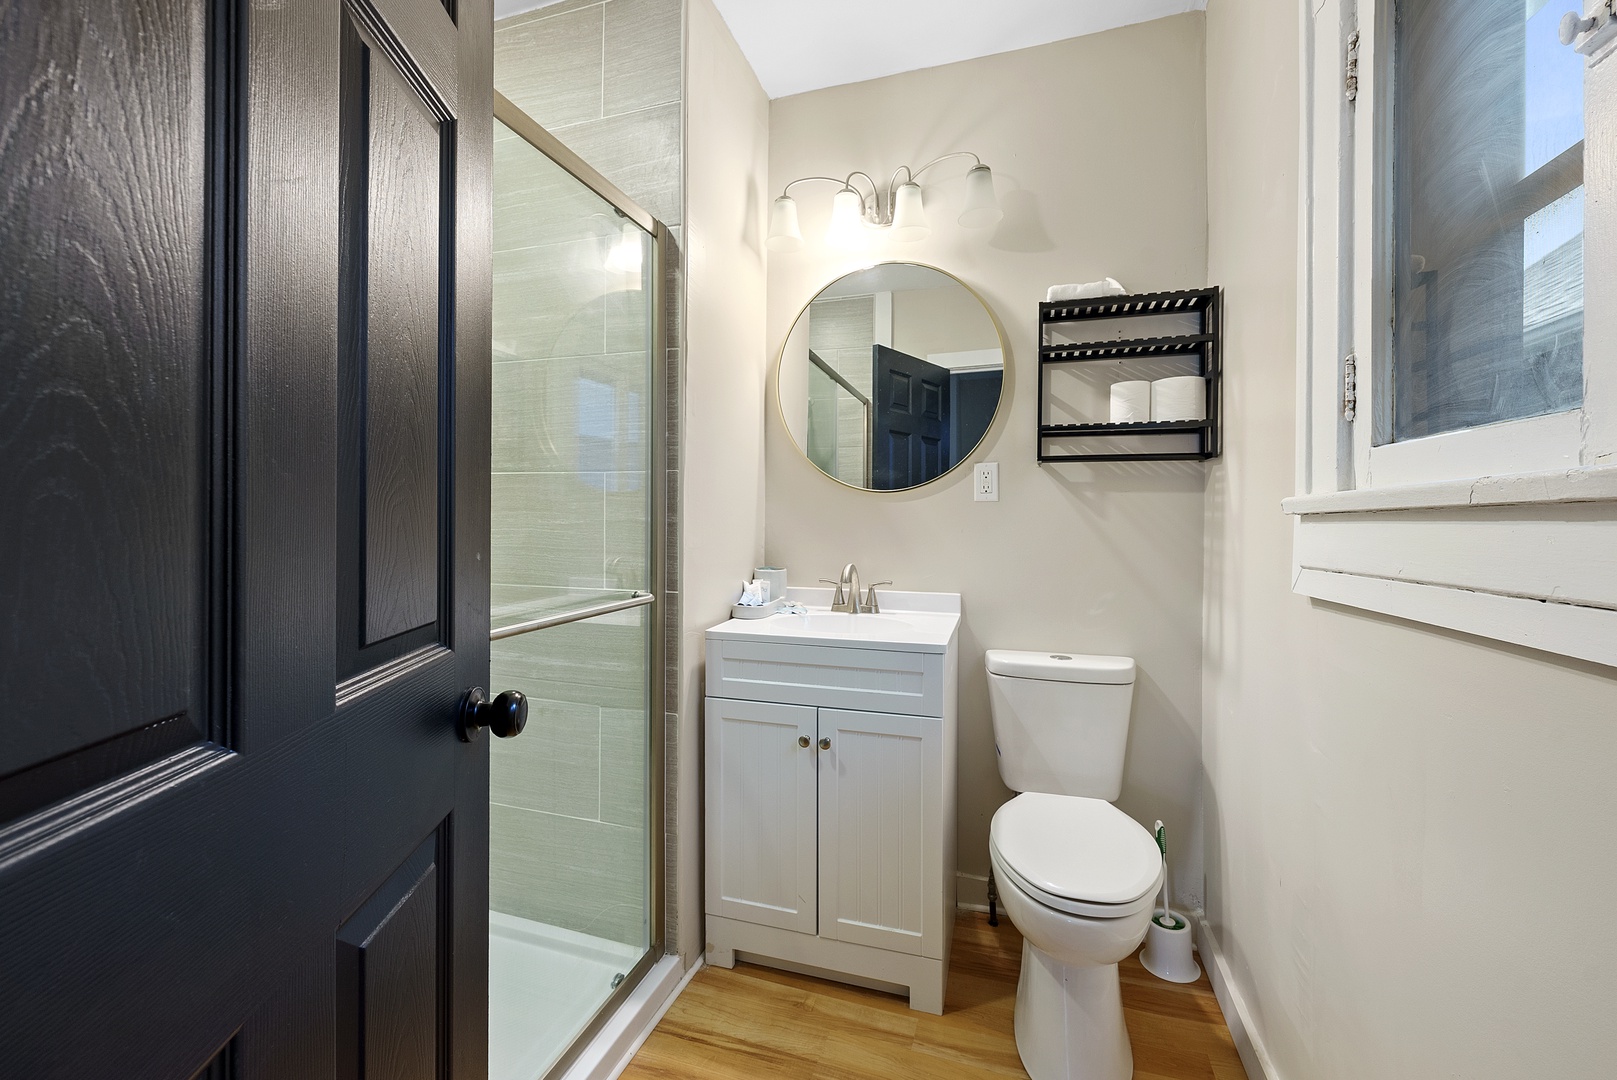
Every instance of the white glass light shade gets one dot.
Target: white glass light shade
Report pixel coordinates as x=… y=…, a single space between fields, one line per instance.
x=982 y=208
x=847 y=219
x=909 y=220
x=784 y=235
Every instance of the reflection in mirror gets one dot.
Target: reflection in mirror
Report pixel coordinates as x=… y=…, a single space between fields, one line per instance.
x=891 y=376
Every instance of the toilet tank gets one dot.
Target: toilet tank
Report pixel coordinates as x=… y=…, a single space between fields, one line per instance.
x=1061 y=720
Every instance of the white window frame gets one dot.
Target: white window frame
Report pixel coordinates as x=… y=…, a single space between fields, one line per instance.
x=1509 y=531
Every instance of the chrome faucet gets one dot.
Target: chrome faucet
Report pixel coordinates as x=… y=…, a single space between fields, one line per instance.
x=847 y=596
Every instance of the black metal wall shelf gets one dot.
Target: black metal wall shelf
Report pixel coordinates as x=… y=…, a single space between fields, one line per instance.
x=1183 y=345
x=1202 y=347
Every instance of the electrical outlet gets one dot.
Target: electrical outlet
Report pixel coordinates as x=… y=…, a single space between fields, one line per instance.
x=985 y=488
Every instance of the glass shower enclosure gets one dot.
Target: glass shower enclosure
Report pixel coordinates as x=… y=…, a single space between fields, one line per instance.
x=575 y=562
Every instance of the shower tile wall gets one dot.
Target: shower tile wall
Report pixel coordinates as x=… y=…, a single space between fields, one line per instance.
x=840 y=333
x=606 y=79
x=567 y=809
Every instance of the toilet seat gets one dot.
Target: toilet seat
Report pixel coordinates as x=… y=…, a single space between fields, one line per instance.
x=1076 y=855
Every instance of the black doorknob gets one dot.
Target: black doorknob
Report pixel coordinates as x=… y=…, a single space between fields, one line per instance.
x=505 y=715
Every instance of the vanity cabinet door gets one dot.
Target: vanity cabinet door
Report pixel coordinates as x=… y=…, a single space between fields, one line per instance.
x=881 y=830
x=760 y=813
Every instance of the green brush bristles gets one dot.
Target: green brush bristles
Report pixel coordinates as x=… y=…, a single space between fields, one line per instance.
x=1162 y=839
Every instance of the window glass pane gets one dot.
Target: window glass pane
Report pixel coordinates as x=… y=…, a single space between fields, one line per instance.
x=1488 y=215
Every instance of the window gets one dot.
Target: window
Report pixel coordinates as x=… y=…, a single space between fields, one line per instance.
x=1488 y=219
x=1458 y=439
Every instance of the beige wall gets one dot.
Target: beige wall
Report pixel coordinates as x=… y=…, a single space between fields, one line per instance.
x=1404 y=827
x=727 y=132
x=939 y=320
x=1084 y=558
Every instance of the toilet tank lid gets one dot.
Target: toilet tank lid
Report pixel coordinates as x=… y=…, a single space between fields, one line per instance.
x=1061 y=667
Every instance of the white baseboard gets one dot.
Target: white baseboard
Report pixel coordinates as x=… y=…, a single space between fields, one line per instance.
x=971 y=891
x=1248 y=1042
x=610 y=1052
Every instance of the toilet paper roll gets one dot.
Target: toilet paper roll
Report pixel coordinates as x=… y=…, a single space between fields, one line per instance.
x=1131 y=402
x=1183 y=397
x=776 y=576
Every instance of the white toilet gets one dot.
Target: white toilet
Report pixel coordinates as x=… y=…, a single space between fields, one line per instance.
x=1077 y=876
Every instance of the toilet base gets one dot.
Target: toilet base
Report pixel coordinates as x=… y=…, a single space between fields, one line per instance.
x=1069 y=1020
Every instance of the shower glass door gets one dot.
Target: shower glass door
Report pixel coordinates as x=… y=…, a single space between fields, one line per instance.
x=574 y=559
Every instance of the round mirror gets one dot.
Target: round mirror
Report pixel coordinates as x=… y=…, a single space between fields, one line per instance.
x=891 y=376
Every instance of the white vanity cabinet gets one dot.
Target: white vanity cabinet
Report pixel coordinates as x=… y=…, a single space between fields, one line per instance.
x=830 y=780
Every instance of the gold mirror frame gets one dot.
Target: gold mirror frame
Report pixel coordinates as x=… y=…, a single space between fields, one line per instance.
x=999 y=407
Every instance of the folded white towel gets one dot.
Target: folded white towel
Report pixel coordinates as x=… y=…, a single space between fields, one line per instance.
x=1103 y=287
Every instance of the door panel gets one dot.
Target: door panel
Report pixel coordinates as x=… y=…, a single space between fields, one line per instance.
x=397 y=236
x=880 y=830
x=760 y=813
x=390 y=1015
x=100 y=435
x=912 y=418
x=404 y=274
x=181 y=560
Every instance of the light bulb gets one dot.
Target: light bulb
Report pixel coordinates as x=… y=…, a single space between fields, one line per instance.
x=982 y=208
x=909 y=220
x=784 y=235
x=847 y=219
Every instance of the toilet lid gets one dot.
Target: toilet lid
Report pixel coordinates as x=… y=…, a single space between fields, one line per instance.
x=1076 y=848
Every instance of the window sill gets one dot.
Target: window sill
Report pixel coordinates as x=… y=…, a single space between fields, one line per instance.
x=1583 y=633
x=1529 y=559
x=1593 y=484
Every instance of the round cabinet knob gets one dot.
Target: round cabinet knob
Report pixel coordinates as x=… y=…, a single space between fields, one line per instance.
x=803 y=741
x=505 y=715
x=825 y=743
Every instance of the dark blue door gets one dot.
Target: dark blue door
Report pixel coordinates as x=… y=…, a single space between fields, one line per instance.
x=911 y=437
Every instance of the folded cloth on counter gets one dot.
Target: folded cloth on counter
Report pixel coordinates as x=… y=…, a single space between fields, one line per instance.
x=1103 y=287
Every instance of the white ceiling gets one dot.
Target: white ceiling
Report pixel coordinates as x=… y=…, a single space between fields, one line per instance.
x=800 y=45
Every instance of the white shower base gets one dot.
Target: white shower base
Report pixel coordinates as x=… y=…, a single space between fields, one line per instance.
x=544 y=986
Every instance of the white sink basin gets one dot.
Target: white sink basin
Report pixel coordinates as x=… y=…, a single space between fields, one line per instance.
x=842 y=623
x=908 y=631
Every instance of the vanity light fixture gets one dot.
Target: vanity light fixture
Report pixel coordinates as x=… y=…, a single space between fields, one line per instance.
x=898 y=209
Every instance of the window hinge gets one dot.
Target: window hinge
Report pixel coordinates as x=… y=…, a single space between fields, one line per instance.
x=1351 y=82
x=1350 y=387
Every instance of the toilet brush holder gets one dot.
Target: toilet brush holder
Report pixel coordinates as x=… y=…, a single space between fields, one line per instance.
x=1167 y=950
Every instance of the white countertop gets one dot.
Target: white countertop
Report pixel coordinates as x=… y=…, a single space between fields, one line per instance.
x=908 y=622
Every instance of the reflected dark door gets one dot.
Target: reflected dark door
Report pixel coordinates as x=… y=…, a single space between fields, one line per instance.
x=244 y=330
x=973 y=401
x=911 y=438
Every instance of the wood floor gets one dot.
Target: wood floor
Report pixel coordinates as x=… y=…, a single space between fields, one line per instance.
x=756 y=1022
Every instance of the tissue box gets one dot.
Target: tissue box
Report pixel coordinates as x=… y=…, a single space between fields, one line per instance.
x=776 y=576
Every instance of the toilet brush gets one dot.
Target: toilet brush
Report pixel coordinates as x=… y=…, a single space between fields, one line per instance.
x=1167 y=939
x=1167 y=917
